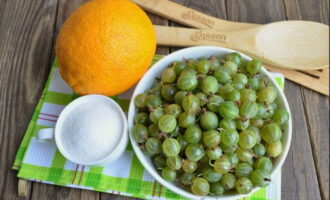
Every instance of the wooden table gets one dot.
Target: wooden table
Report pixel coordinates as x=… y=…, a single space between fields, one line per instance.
x=28 y=29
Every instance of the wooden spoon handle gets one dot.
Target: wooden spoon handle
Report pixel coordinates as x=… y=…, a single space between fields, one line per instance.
x=188 y=16
x=181 y=37
x=22 y=188
x=172 y=36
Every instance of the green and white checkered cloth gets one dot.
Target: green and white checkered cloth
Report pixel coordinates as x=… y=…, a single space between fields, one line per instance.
x=42 y=162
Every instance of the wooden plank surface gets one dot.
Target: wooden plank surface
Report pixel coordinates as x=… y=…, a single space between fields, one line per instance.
x=299 y=180
x=316 y=105
x=215 y=8
x=26 y=50
x=317 y=115
x=295 y=185
x=48 y=192
x=26 y=29
x=256 y=11
x=43 y=191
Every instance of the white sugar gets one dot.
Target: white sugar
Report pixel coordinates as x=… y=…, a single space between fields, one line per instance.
x=90 y=132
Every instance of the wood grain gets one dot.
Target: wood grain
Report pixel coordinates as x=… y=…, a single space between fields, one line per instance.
x=159 y=21
x=256 y=11
x=162 y=51
x=316 y=106
x=64 y=10
x=177 y=37
x=318 y=82
x=299 y=174
x=45 y=191
x=215 y=8
x=252 y=42
x=23 y=188
x=26 y=28
x=317 y=115
x=187 y=16
x=27 y=33
x=299 y=180
x=105 y=196
x=2 y=9
x=316 y=10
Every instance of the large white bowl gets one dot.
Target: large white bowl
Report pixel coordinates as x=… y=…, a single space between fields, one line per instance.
x=156 y=71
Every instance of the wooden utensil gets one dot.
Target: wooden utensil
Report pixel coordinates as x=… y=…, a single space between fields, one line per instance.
x=22 y=188
x=193 y=18
x=289 y=44
x=317 y=80
x=189 y=17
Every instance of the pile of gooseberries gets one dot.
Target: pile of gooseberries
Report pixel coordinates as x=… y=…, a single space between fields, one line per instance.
x=211 y=125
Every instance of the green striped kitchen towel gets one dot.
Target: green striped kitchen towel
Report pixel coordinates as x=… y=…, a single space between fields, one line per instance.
x=43 y=162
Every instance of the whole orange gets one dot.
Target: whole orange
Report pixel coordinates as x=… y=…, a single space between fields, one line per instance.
x=105 y=47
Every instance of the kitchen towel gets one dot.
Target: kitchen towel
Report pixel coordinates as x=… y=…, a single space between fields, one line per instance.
x=42 y=162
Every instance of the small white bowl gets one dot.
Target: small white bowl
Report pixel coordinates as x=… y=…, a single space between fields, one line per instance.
x=54 y=134
x=156 y=71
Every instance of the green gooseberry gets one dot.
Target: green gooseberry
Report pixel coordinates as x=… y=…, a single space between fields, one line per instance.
x=203 y=67
x=271 y=133
x=211 y=138
x=153 y=146
x=139 y=133
x=168 y=91
x=190 y=103
x=228 y=110
x=194 y=152
x=193 y=134
x=209 y=120
x=141 y=118
x=222 y=75
x=213 y=103
x=209 y=85
x=227 y=123
x=173 y=109
x=187 y=119
x=171 y=147
x=254 y=66
x=153 y=101
x=187 y=82
x=141 y=100
x=168 y=75
x=167 y=123
x=178 y=66
x=155 y=114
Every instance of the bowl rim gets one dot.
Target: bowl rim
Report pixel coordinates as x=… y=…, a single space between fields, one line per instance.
x=142 y=157
x=87 y=99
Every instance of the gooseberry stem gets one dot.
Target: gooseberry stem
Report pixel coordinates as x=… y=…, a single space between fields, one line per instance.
x=162 y=134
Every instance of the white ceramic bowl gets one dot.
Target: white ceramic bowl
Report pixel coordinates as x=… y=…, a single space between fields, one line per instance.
x=156 y=71
x=54 y=135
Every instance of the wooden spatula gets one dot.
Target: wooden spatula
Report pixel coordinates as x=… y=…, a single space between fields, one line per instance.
x=317 y=80
x=290 y=44
x=193 y=18
x=189 y=17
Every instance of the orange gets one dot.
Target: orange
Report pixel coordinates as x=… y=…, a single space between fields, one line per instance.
x=105 y=47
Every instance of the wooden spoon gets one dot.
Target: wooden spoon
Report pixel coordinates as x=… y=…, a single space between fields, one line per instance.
x=313 y=79
x=289 y=44
x=189 y=17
